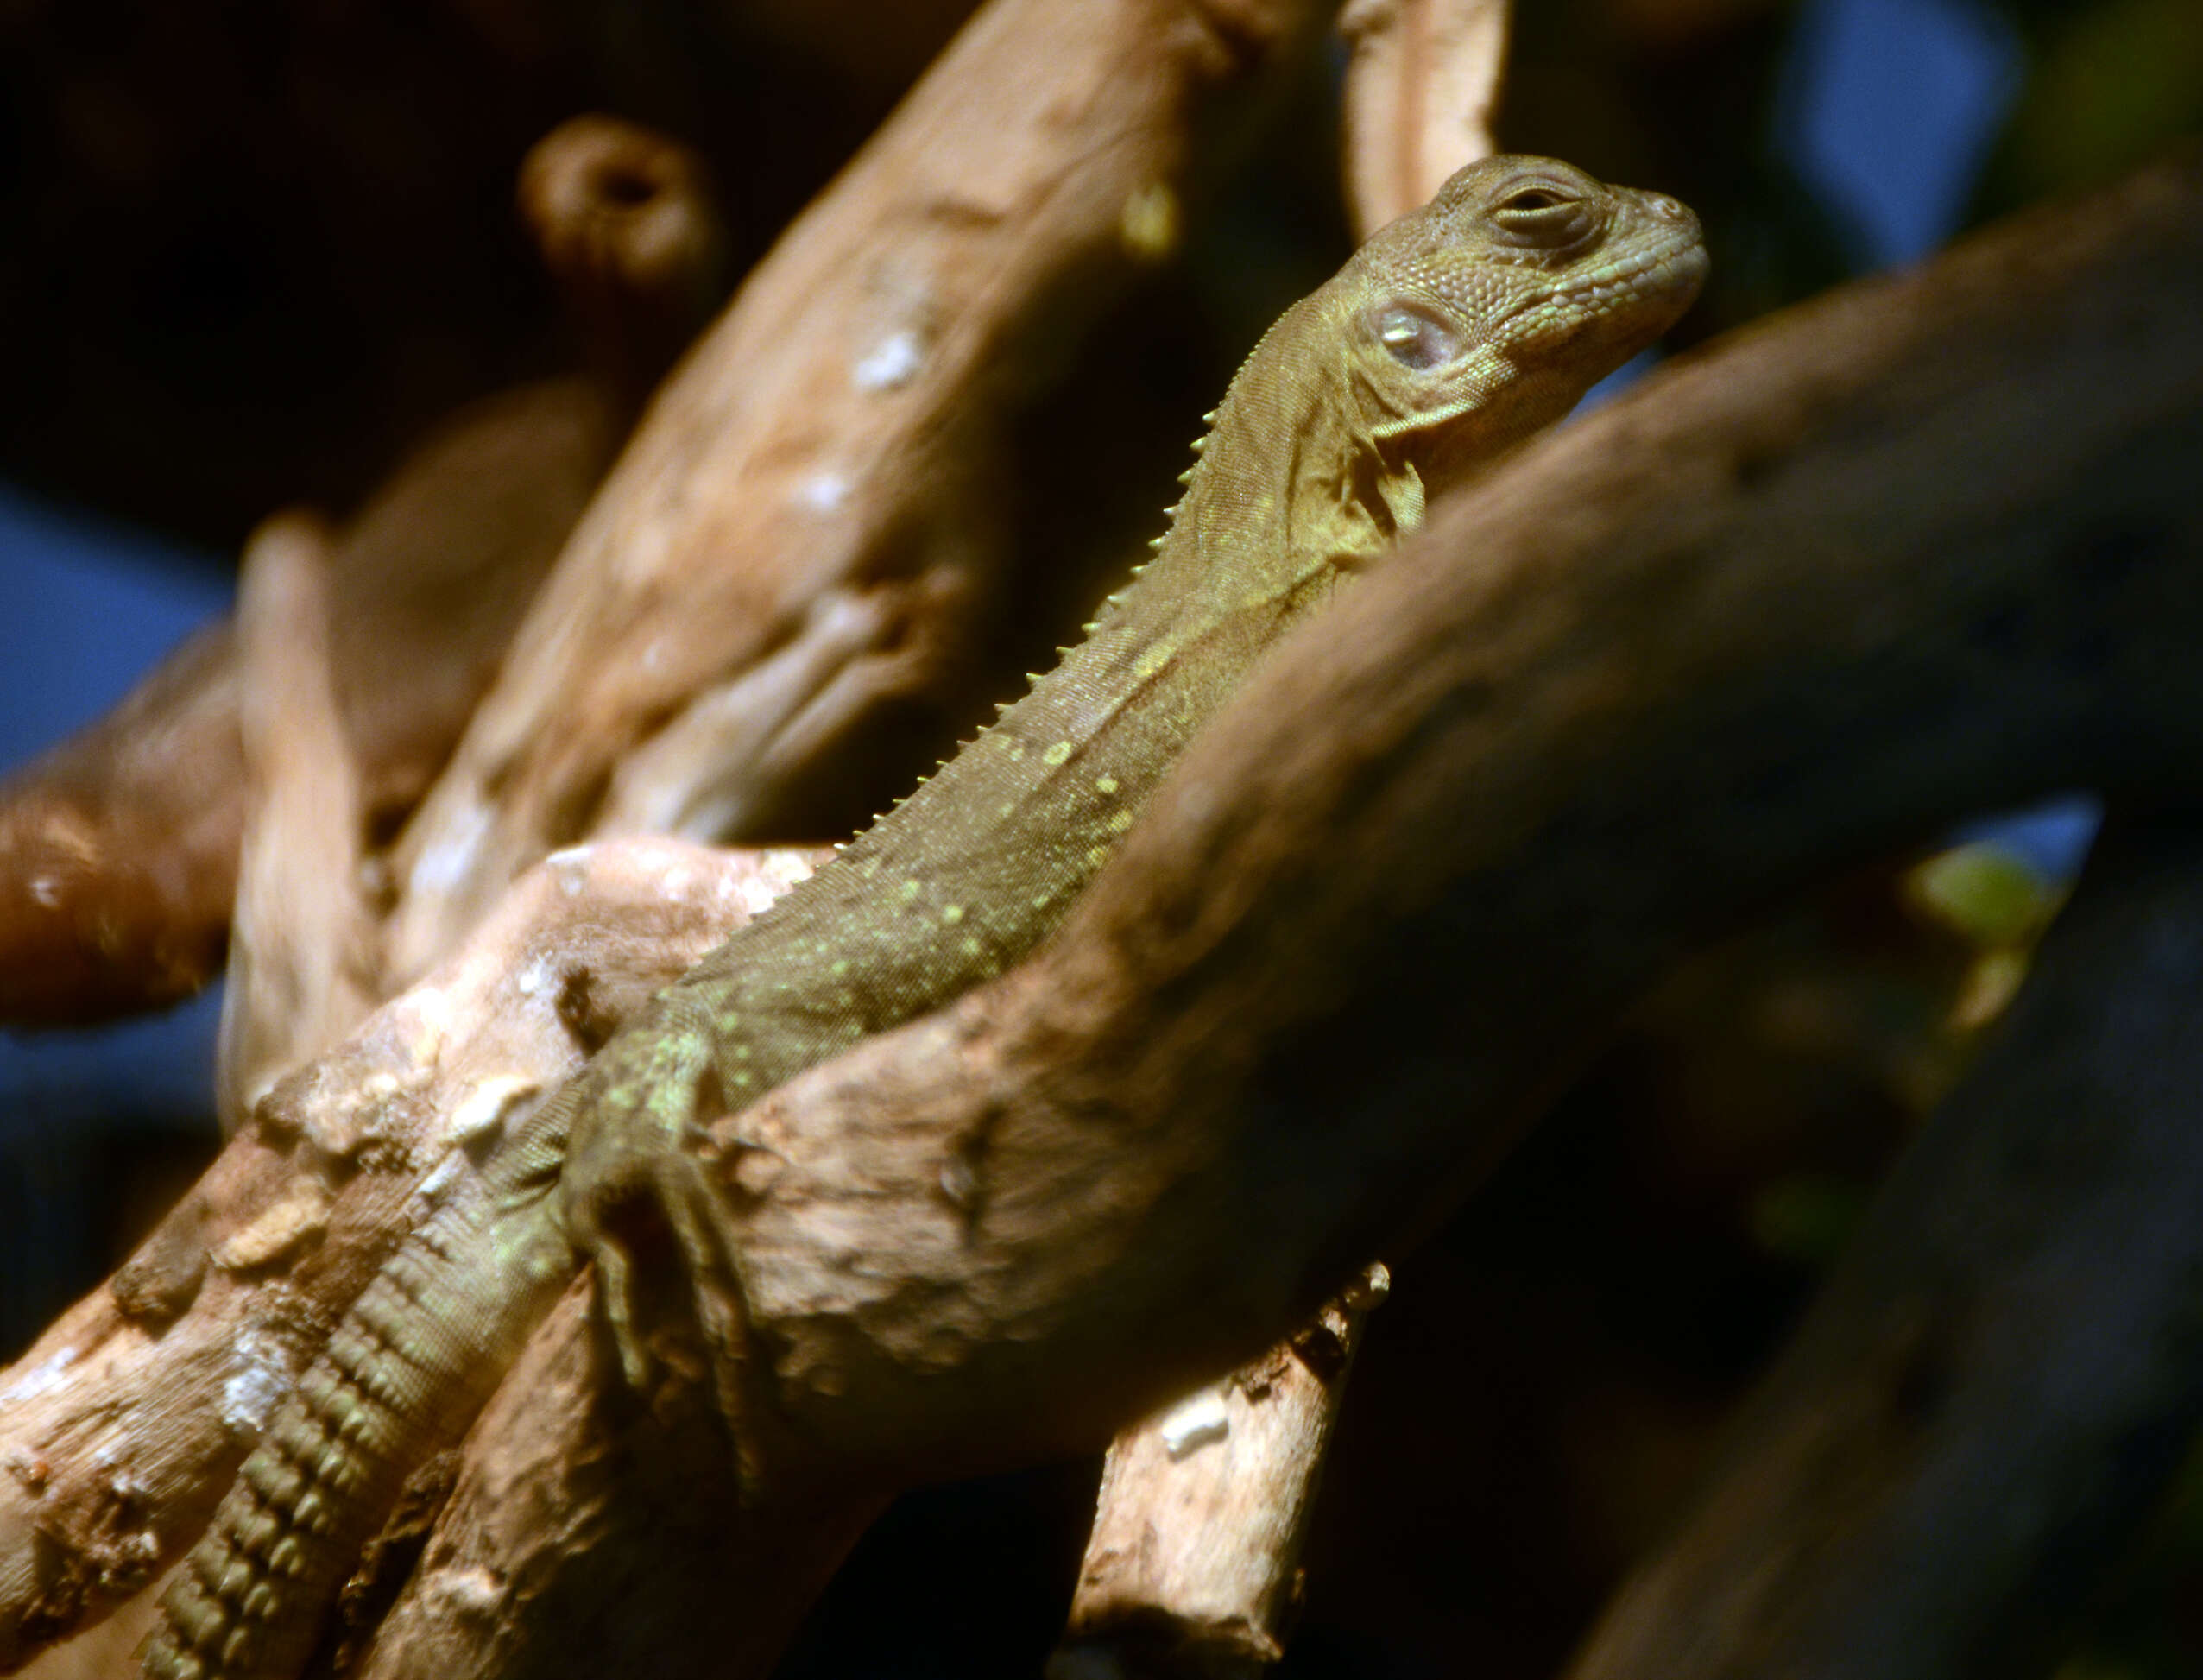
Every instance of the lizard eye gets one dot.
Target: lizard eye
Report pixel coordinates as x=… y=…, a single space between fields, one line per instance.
x=1544 y=216
x=1415 y=337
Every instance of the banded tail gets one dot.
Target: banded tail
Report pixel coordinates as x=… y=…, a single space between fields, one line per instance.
x=415 y=1358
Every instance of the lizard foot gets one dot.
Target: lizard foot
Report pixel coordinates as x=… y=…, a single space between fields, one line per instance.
x=614 y=1220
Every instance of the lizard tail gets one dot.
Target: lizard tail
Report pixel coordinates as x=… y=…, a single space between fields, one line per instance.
x=403 y=1376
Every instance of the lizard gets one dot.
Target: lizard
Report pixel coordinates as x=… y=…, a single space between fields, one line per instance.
x=1452 y=335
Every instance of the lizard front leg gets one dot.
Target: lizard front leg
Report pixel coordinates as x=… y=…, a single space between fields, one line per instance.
x=634 y=1161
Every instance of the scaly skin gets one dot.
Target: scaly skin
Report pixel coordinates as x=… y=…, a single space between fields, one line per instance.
x=1451 y=335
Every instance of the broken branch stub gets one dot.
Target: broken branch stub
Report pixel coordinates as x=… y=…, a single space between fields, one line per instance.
x=801 y=532
x=1192 y=1572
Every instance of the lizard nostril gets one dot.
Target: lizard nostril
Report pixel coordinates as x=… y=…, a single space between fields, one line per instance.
x=1665 y=207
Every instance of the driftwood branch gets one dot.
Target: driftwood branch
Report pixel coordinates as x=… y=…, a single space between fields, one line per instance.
x=1422 y=90
x=1193 y=1568
x=1996 y=1385
x=300 y=976
x=1927 y=547
x=800 y=537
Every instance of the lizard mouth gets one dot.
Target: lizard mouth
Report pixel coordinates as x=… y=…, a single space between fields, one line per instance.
x=1676 y=267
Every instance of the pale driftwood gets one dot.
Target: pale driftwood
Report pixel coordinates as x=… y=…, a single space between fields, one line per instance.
x=1422 y=89
x=302 y=939
x=795 y=539
x=121 y=1426
x=1193 y=1567
x=1998 y=1382
x=118 y=851
x=1930 y=546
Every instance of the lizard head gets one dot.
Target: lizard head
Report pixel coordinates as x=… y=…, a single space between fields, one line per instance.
x=1486 y=314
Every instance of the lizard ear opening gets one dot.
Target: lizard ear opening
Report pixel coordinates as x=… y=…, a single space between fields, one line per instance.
x=1415 y=337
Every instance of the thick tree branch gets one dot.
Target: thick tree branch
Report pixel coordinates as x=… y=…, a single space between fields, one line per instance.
x=1927 y=547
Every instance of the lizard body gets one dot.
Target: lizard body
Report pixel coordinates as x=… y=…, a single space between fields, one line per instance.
x=1449 y=335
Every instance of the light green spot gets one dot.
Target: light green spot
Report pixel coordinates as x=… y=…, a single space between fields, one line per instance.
x=841 y=967
x=1096 y=857
x=1106 y=785
x=953 y=912
x=1120 y=822
x=742 y=1079
x=911 y=890
x=1057 y=753
x=970 y=946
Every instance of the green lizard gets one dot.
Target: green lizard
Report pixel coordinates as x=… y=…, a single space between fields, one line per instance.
x=1451 y=335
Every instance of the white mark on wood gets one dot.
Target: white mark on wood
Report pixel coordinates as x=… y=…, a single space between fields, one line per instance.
x=28 y=1469
x=444 y=865
x=890 y=364
x=482 y=1113
x=473 y=1592
x=42 y=1376
x=960 y=1184
x=1197 y=1421
x=297 y=1215
x=823 y=492
x=262 y=1377
x=45 y=891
